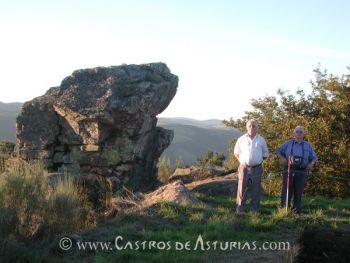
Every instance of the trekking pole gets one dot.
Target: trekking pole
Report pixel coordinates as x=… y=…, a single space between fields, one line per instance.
x=288 y=175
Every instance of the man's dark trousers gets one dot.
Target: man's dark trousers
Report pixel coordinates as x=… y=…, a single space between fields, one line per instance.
x=297 y=182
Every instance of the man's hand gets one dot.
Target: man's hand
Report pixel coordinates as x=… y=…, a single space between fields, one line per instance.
x=310 y=166
x=282 y=159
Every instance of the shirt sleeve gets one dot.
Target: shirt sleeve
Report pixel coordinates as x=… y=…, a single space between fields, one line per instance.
x=312 y=156
x=265 y=149
x=282 y=149
x=237 y=149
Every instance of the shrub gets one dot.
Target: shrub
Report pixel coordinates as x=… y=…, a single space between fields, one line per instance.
x=272 y=183
x=231 y=163
x=23 y=194
x=179 y=163
x=210 y=158
x=6 y=149
x=67 y=208
x=28 y=206
x=164 y=169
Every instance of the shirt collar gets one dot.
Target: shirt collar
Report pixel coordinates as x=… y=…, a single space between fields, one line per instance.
x=256 y=136
x=295 y=141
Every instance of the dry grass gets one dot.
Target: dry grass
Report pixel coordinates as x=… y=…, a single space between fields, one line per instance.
x=28 y=207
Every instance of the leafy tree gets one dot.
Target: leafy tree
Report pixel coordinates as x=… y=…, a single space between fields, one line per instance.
x=210 y=158
x=325 y=114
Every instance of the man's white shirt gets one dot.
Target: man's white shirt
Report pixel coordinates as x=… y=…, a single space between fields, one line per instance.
x=251 y=152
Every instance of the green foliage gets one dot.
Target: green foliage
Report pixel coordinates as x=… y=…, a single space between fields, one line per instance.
x=6 y=149
x=28 y=206
x=272 y=183
x=210 y=158
x=179 y=162
x=67 y=207
x=325 y=114
x=231 y=162
x=164 y=169
x=99 y=193
x=23 y=192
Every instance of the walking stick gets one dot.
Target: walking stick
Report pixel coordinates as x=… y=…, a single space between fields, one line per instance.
x=288 y=175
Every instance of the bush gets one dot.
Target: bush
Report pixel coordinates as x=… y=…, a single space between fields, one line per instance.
x=231 y=163
x=164 y=169
x=210 y=158
x=23 y=194
x=272 y=184
x=68 y=209
x=6 y=149
x=179 y=163
x=28 y=206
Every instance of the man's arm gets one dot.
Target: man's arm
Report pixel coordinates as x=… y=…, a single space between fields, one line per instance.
x=281 y=158
x=311 y=165
x=265 y=150
x=313 y=159
x=237 y=149
x=281 y=153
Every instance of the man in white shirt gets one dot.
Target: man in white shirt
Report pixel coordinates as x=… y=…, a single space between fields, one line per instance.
x=250 y=150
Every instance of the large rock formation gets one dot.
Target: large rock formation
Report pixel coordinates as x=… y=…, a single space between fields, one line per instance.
x=101 y=122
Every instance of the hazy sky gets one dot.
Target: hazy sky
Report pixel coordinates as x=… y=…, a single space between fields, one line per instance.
x=224 y=52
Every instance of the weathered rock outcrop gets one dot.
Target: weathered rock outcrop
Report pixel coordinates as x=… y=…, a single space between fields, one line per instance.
x=174 y=192
x=195 y=173
x=219 y=185
x=101 y=122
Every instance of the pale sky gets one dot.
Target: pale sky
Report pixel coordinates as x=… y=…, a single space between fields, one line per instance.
x=224 y=52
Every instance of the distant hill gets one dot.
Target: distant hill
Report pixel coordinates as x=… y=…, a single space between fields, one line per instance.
x=8 y=114
x=211 y=123
x=193 y=137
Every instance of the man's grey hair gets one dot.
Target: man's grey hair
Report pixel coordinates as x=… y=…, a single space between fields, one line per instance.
x=253 y=121
x=299 y=127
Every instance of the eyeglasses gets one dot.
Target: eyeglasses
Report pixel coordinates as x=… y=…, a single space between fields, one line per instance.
x=299 y=132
